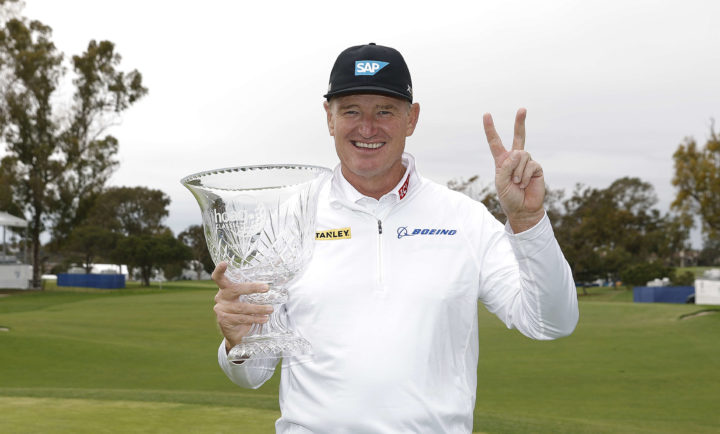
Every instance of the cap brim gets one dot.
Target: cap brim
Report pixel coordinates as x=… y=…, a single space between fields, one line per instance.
x=367 y=89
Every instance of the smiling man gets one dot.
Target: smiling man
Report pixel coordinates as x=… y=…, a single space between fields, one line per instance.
x=370 y=132
x=389 y=300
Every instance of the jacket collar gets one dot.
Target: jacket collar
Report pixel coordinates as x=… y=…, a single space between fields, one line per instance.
x=342 y=191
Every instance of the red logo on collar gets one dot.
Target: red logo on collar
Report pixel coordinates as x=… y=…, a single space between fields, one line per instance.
x=403 y=190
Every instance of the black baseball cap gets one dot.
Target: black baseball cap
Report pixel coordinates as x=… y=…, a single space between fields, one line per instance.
x=370 y=68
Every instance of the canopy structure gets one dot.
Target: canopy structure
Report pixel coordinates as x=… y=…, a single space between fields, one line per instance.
x=10 y=220
x=13 y=273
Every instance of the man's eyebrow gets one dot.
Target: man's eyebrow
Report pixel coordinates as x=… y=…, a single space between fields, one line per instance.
x=388 y=106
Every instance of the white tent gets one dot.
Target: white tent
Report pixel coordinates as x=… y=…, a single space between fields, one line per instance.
x=12 y=273
x=10 y=220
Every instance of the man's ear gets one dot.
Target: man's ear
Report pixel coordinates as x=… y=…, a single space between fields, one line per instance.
x=413 y=119
x=328 y=112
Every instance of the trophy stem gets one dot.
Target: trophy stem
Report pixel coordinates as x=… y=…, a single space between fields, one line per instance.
x=273 y=339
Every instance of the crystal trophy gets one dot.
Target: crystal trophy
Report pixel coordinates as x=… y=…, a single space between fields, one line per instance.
x=261 y=221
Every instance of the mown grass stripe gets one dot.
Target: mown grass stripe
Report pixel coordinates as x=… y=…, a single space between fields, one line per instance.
x=628 y=367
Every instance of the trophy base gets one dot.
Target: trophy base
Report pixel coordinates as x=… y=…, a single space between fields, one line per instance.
x=270 y=346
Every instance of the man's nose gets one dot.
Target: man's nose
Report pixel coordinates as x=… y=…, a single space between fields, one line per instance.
x=367 y=126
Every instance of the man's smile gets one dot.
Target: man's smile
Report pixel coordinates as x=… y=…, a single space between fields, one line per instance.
x=365 y=145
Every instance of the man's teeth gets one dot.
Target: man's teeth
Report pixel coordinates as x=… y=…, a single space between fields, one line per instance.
x=369 y=145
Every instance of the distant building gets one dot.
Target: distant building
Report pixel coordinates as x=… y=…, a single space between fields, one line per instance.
x=14 y=272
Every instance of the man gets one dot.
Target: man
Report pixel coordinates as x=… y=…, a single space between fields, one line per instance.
x=391 y=308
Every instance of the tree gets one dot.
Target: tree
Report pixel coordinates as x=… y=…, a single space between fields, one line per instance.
x=7 y=203
x=57 y=158
x=135 y=215
x=91 y=242
x=130 y=210
x=479 y=192
x=641 y=273
x=149 y=251
x=603 y=231
x=194 y=237
x=697 y=179
x=710 y=253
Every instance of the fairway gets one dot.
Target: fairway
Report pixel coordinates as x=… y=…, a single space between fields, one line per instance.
x=143 y=360
x=75 y=416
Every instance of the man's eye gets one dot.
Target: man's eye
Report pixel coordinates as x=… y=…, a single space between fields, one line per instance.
x=385 y=113
x=351 y=113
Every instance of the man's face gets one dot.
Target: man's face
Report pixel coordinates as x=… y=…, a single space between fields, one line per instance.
x=370 y=132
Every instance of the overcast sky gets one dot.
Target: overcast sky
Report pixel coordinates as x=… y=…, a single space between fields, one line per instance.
x=611 y=87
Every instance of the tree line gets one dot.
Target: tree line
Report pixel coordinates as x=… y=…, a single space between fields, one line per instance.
x=617 y=234
x=124 y=225
x=58 y=157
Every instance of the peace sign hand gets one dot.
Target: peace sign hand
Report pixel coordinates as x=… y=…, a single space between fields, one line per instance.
x=518 y=178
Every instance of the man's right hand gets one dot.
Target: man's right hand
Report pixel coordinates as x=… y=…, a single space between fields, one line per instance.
x=235 y=317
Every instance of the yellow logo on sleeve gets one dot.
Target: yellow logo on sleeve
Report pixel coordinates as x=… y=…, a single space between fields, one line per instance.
x=334 y=234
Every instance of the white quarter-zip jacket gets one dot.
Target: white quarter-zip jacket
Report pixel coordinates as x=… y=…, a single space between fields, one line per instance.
x=389 y=304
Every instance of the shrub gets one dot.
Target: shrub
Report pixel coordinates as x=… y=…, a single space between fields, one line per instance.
x=640 y=274
x=683 y=279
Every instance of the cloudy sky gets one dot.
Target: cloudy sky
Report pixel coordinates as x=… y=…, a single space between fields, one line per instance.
x=612 y=87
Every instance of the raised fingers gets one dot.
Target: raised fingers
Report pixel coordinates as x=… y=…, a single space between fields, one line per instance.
x=496 y=146
x=519 y=132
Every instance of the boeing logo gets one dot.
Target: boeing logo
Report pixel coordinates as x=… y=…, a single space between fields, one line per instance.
x=369 y=67
x=403 y=232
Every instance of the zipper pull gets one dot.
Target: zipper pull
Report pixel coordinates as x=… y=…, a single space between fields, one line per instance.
x=379 y=227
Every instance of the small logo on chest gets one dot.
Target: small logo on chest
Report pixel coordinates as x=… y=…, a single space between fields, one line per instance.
x=403 y=232
x=334 y=234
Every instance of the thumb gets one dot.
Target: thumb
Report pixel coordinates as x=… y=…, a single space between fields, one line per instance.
x=507 y=167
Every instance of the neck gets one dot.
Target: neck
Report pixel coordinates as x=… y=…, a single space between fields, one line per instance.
x=375 y=187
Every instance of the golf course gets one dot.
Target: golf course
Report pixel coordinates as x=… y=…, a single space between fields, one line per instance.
x=143 y=360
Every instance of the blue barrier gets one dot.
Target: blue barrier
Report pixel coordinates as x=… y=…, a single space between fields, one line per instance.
x=662 y=294
x=102 y=281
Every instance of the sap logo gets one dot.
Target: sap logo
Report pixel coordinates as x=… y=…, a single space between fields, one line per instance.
x=403 y=232
x=369 y=67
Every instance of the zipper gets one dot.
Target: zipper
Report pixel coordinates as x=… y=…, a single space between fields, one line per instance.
x=379 y=255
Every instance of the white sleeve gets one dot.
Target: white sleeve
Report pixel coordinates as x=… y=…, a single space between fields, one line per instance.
x=526 y=281
x=250 y=374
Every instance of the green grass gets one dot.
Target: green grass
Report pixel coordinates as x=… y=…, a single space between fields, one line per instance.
x=628 y=368
x=605 y=293
x=75 y=416
x=79 y=360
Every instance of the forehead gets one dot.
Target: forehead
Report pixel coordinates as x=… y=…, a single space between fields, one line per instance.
x=367 y=100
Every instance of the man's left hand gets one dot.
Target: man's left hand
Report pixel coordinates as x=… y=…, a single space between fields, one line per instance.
x=518 y=178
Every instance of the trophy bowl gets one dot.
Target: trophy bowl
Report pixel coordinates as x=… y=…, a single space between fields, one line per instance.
x=261 y=221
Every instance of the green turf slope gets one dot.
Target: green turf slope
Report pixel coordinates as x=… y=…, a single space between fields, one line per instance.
x=144 y=361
